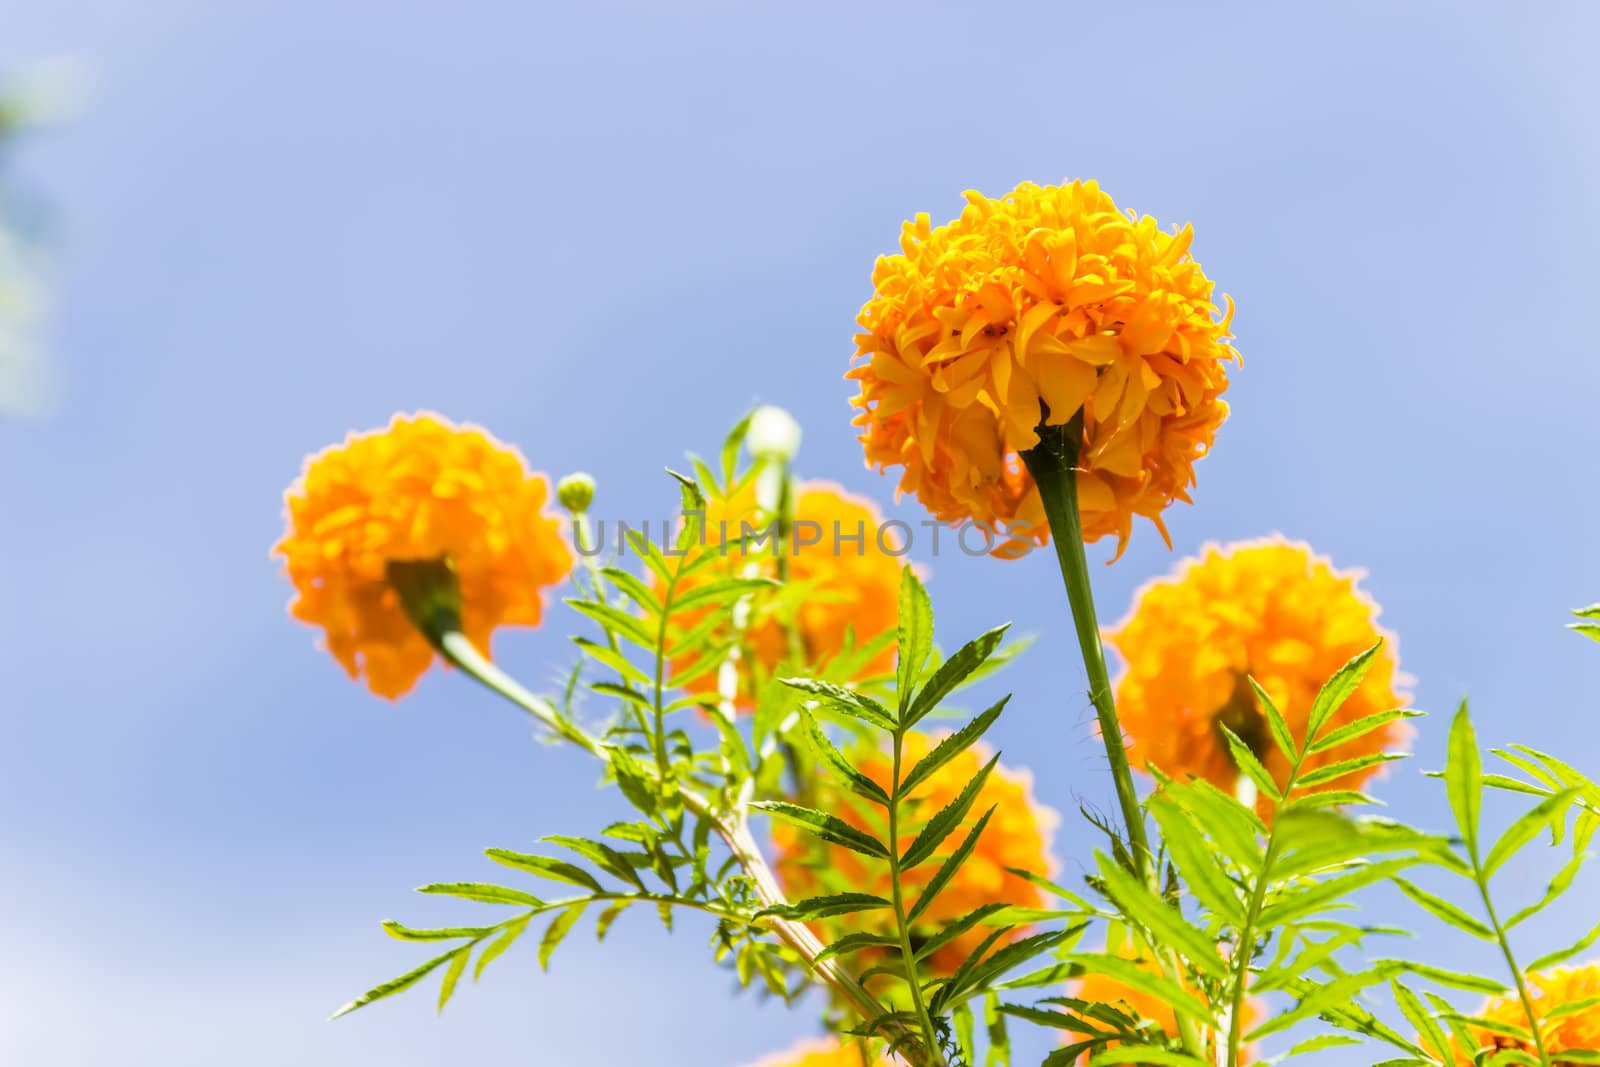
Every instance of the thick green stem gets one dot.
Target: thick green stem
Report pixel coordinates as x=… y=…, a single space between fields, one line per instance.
x=1053 y=464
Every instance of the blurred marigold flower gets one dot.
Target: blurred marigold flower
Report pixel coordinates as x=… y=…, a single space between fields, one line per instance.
x=823 y=1052
x=843 y=586
x=1551 y=989
x=1103 y=989
x=1018 y=836
x=1270 y=609
x=422 y=489
x=1039 y=304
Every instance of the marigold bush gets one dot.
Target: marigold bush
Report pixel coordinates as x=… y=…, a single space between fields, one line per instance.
x=1271 y=610
x=1030 y=308
x=420 y=489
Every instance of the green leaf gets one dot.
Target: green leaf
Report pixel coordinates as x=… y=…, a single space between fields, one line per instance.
x=452 y=975
x=603 y=924
x=1232 y=826
x=828 y=827
x=1579 y=1055
x=722 y=591
x=955 y=928
x=1276 y=722
x=557 y=931
x=1472 y=983
x=494 y=949
x=849 y=701
x=545 y=867
x=1321 y=895
x=615 y=621
x=1513 y=785
x=1361 y=727
x=953 y=672
x=1558 y=885
x=452 y=933
x=948 y=818
x=949 y=867
x=1344 y=767
x=915 y=630
x=859 y=783
x=1588 y=629
x=951 y=747
x=826 y=907
x=636 y=787
x=613 y=659
x=483 y=892
x=396 y=985
x=1345 y=681
x=601 y=855
x=1163 y=1057
x=1317 y=998
x=1526 y=828
x=634 y=589
x=622 y=692
x=1431 y=1033
x=1247 y=763
x=1561 y=955
x=1151 y=983
x=1463 y=779
x=856 y=942
x=1135 y=900
x=1445 y=911
x=1196 y=861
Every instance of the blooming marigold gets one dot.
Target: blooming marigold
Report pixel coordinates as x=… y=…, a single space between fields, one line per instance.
x=1548 y=990
x=849 y=580
x=823 y=1052
x=1033 y=307
x=1103 y=989
x=1268 y=609
x=422 y=489
x=1018 y=836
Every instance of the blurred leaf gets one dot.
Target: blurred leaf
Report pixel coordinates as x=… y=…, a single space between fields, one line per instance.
x=1249 y=765
x=1275 y=722
x=452 y=975
x=1134 y=899
x=453 y=933
x=1561 y=955
x=1349 y=766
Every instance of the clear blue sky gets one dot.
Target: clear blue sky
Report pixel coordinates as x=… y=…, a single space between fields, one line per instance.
x=602 y=231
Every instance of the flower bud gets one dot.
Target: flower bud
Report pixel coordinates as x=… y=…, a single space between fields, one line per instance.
x=773 y=434
x=575 y=492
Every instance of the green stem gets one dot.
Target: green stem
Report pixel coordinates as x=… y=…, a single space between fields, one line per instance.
x=1511 y=960
x=1053 y=463
x=930 y=1039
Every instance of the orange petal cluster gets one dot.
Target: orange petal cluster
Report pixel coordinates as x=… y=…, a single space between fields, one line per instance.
x=1548 y=990
x=847 y=578
x=1031 y=306
x=822 y=1052
x=1269 y=609
x=1018 y=836
x=422 y=488
x=1102 y=989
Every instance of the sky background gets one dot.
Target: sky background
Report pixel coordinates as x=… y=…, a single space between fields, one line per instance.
x=603 y=231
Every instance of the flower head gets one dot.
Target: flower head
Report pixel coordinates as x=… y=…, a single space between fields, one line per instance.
x=1548 y=990
x=821 y=1052
x=1033 y=307
x=1146 y=1008
x=1018 y=836
x=1271 y=610
x=842 y=591
x=422 y=489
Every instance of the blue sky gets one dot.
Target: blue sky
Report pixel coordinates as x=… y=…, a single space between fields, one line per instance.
x=603 y=230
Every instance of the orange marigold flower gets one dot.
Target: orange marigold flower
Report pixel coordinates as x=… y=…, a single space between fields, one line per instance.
x=849 y=583
x=1548 y=990
x=1032 y=306
x=1268 y=609
x=824 y=1052
x=1103 y=989
x=1018 y=836
x=421 y=489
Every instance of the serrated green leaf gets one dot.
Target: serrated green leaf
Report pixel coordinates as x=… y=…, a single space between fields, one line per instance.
x=1134 y=899
x=1526 y=828
x=722 y=590
x=451 y=933
x=452 y=975
x=828 y=827
x=1445 y=911
x=1339 y=688
x=857 y=705
x=828 y=906
x=859 y=783
x=1361 y=727
x=1294 y=905
x=856 y=942
x=1345 y=767
x=915 y=629
x=951 y=747
x=1463 y=778
x=483 y=892
x=1275 y=722
x=948 y=868
x=634 y=589
x=395 y=985
x=613 y=659
x=947 y=819
x=1431 y=1033
x=1472 y=983
x=615 y=621
x=1247 y=763
x=953 y=672
x=1318 y=998
x=1149 y=982
x=955 y=928
x=1561 y=955
x=601 y=855
x=1195 y=860
x=557 y=931
x=545 y=867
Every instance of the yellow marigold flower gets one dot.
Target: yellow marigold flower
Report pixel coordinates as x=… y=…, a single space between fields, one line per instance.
x=1270 y=609
x=1032 y=306
x=1018 y=836
x=1548 y=990
x=824 y=1052
x=849 y=581
x=1103 y=989
x=421 y=489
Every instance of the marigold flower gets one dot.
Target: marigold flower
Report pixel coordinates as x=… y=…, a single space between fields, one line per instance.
x=1035 y=306
x=848 y=581
x=1103 y=989
x=1270 y=609
x=1548 y=990
x=823 y=1052
x=1018 y=836
x=421 y=489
